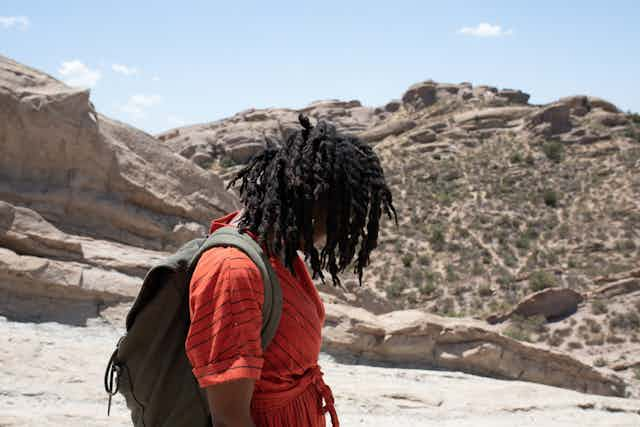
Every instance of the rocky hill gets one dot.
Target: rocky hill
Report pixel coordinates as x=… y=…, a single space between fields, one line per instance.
x=499 y=199
x=516 y=256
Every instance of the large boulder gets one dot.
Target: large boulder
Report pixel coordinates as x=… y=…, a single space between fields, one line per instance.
x=514 y=96
x=92 y=175
x=551 y=303
x=420 y=95
x=422 y=339
x=582 y=104
x=553 y=119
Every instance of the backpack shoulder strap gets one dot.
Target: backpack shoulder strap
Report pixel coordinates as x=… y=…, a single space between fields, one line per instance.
x=272 y=306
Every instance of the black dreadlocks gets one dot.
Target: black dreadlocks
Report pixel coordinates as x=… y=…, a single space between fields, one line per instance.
x=316 y=168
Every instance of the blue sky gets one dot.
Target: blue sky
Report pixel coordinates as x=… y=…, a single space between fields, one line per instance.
x=162 y=64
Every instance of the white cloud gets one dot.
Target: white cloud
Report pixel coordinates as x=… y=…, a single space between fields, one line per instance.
x=155 y=78
x=485 y=29
x=123 y=69
x=8 y=22
x=137 y=104
x=76 y=73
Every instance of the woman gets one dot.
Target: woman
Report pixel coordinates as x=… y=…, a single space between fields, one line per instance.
x=318 y=188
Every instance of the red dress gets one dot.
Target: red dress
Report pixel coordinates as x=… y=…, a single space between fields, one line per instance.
x=223 y=343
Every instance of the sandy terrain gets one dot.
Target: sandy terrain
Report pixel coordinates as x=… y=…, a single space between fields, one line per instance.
x=51 y=375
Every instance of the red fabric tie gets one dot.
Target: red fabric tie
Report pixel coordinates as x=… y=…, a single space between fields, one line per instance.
x=312 y=376
x=327 y=395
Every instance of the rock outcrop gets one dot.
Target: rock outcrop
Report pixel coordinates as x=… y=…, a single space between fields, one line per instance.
x=87 y=204
x=418 y=338
x=244 y=134
x=42 y=266
x=551 y=303
x=91 y=175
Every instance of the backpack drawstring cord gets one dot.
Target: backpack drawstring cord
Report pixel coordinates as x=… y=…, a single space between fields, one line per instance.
x=112 y=378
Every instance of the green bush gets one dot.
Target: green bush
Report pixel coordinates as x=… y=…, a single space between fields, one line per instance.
x=555 y=339
x=452 y=275
x=517 y=333
x=437 y=237
x=227 y=162
x=407 y=259
x=629 y=321
x=554 y=150
x=535 y=324
x=599 y=306
x=523 y=242
x=600 y=362
x=516 y=157
x=427 y=288
x=563 y=230
x=424 y=260
x=633 y=132
x=446 y=306
x=530 y=160
x=540 y=280
x=395 y=288
x=485 y=291
x=625 y=245
x=574 y=345
x=597 y=339
x=594 y=326
x=614 y=339
x=550 y=198
x=417 y=276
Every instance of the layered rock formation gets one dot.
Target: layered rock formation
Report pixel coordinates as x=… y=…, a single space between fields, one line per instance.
x=418 y=338
x=91 y=175
x=87 y=204
x=239 y=137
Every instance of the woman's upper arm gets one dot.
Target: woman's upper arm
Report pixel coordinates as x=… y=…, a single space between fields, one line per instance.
x=230 y=403
x=223 y=342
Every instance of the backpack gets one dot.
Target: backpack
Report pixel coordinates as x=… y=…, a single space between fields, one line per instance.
x=149 y=366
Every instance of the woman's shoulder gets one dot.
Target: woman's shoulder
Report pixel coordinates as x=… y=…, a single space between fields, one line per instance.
x=225 y=262
x=224 y=257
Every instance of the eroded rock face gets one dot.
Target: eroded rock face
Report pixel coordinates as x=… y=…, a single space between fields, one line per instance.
x=420 y=95
x=386 y=129
x=415 y=337
x=515 y=96
x=47 y=274
x=244 y=135
x=551 y=303
x=91 y=175
x=556 y=117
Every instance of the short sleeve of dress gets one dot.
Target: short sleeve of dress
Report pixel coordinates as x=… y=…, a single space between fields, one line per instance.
x=225 y=301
